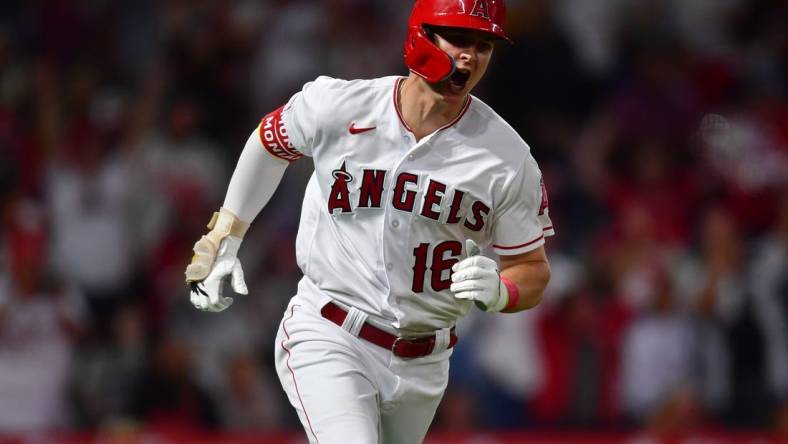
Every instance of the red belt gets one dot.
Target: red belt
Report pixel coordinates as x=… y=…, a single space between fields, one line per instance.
x=404 y=348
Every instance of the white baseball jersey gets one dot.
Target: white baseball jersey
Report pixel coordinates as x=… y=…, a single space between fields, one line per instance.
x=384 y=216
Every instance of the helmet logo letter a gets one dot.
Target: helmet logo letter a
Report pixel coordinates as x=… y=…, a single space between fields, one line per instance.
x=480 y=9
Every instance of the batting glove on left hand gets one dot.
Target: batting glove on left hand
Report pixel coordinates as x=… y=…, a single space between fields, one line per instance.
x=476 y=278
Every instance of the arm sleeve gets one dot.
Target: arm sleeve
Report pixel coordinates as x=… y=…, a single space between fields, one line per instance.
x=522 y=221
x=284 y=135
x=255 y=179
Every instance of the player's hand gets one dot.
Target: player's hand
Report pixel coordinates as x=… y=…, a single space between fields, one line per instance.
x=476 y=278
x=215 y=260
x=206 y=295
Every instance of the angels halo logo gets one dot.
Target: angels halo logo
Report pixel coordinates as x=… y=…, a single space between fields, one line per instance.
x=339 y=197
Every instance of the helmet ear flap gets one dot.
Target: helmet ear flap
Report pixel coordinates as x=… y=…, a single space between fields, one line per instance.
x=425 y=59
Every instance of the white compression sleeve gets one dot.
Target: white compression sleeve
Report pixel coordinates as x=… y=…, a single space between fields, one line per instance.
x=254 y=181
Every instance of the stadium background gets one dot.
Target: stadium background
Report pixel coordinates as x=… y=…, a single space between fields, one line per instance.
x=661 y=128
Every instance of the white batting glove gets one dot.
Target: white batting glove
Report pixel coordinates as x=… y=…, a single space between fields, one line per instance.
x=212 y=265
x=206 y=295
x=476 y=278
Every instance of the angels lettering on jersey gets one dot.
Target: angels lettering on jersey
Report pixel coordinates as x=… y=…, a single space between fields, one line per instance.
x=438 y=199
x=393 y=212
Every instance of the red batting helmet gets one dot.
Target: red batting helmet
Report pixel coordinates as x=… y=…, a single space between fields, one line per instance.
x=427 y=60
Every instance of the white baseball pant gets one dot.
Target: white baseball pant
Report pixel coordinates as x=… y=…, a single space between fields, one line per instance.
x=347 y=390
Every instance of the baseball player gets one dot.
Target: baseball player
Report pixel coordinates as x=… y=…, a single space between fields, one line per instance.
x=412 y=177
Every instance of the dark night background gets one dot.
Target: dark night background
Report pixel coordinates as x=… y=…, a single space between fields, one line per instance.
x=661 y=128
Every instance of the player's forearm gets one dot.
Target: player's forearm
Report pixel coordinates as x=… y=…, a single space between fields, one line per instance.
x=256 y=177
x=531 y=278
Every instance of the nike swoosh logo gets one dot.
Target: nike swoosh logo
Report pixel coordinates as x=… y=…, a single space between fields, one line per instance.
x=354 y=130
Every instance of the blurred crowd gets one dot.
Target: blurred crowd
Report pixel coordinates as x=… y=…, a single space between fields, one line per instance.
x=661 y=128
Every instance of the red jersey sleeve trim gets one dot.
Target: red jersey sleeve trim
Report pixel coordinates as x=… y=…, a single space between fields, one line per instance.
x=273 y=136
x=514 y=247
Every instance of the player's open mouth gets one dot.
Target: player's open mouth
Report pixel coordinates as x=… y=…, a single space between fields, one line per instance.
x=458 y=80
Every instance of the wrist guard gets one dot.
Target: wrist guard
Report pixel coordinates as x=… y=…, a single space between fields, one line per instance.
x=222 y=224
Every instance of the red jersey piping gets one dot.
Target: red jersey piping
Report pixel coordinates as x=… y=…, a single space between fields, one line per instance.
x=465 y=108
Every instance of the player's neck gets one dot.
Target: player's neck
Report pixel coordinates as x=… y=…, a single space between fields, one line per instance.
x=423 y=109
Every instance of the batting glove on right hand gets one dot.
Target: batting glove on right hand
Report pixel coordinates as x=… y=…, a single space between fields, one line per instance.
x=476 y=278
x=215 y=259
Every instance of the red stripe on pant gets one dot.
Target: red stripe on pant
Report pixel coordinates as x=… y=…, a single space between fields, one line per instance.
x=298 y=392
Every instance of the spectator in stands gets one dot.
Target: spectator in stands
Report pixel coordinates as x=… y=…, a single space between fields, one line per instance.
x=167 y=397
x=40 y=319
x=105 y=372
x=658 y=362
x=581 y=341
x=769 y=288
x=90 y=187
x=249 y=400
x=710 y=283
